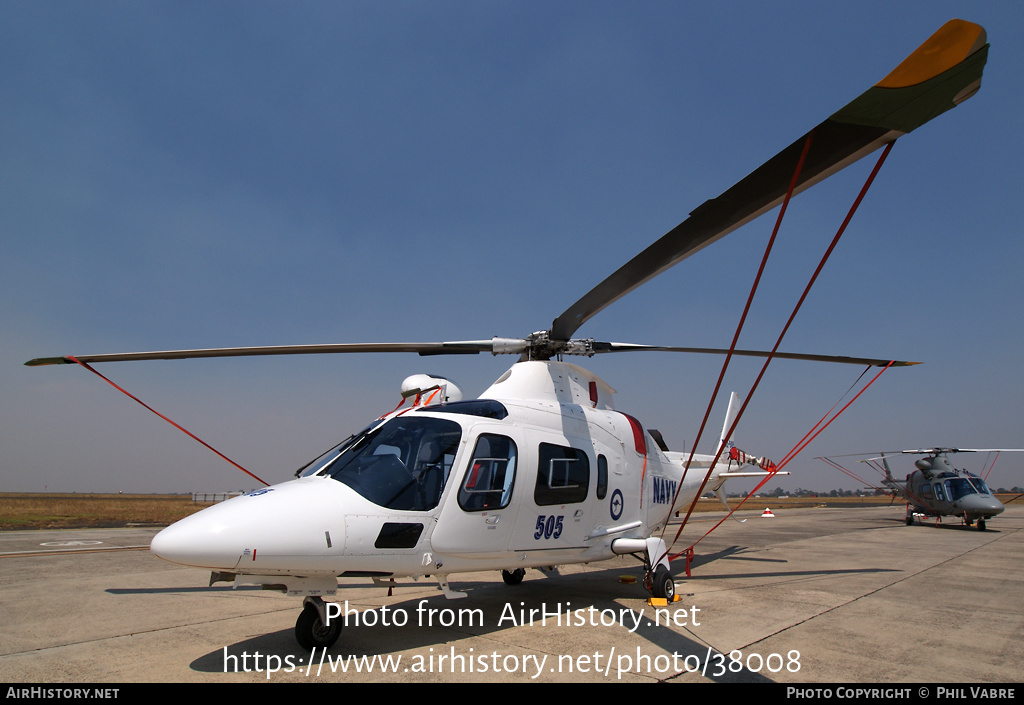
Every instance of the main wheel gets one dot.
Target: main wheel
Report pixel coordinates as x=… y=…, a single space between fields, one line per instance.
x=663 y=585
x=981 y=524
x=513 y=577
x=311 y=632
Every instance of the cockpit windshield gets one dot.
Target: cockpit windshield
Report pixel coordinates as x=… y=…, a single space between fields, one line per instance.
x=402 y=464
x=960 y=487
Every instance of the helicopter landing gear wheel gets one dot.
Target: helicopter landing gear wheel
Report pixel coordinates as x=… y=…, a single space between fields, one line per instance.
x=662 y=585
x=513 y=577
x=981 y=524
x=910 y=516
x=311 y=632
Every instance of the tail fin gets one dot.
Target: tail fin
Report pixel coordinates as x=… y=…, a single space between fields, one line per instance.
x=720 y=493
x=888 y=472
x=733 y=460
x=733 y=456
x=730 y=417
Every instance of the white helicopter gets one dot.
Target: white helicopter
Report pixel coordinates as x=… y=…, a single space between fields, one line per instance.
x=540 y=469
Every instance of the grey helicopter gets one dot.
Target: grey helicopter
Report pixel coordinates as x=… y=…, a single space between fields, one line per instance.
x=938 y=489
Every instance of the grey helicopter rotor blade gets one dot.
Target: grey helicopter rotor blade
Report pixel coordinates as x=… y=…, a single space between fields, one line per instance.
x=928 y=451
x=940 y=451
x=464 y=347
x=940 y=74
x=631 y=347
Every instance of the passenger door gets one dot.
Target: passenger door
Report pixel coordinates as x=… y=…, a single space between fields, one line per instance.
x=479 y=513
x=554 y=510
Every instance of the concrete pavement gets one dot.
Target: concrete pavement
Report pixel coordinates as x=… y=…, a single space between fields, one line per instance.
x=809 y=596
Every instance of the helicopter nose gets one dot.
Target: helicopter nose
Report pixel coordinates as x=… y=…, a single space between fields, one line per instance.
x=979 y=505
x=198 y=541
x=295 y=522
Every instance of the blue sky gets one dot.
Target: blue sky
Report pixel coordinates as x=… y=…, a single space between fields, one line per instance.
x=195 y=174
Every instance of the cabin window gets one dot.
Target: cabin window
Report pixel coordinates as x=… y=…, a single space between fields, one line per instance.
x=938 y=492
x=602 y=476
x=926 y=490
x=491 y=473
x=563 y=475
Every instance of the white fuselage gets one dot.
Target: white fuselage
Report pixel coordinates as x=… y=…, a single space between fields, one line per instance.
x=575 y=475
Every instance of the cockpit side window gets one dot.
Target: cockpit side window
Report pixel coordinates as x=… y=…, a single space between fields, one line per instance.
x=980 y=485
x=491 y=474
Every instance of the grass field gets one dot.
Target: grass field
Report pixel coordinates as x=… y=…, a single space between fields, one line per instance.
x=83 y=511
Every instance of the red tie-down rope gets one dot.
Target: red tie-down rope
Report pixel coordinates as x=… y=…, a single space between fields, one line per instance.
x=987 y=472
x=177 y=426
x=848 y=473
x=735 y=338
x=810 y=436
x=803 y=296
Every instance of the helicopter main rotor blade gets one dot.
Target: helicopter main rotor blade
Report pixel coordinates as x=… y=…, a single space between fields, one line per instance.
x=495 y=346
x=943 y=72
x=466 y=347
x=631 y=347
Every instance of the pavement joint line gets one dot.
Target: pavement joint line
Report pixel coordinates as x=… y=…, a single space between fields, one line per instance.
x=1009 y=532
x=22 y=554
x=112 y=637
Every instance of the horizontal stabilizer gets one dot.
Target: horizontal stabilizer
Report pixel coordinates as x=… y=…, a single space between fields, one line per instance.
x=727 y=475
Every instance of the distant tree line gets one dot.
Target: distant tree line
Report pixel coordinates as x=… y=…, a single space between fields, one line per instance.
x=801 y=492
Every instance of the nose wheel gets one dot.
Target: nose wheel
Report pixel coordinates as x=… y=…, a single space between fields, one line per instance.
x=312 y=629
x=513 y=577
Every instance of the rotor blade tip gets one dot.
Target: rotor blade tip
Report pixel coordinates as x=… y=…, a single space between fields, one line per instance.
x=40 y=361
x=951 y=44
